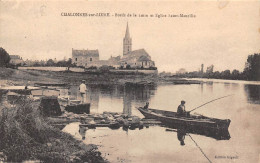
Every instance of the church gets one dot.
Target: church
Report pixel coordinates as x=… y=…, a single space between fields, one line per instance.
x=137 y=59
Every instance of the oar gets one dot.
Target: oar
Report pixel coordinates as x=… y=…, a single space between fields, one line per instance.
x=210 y=102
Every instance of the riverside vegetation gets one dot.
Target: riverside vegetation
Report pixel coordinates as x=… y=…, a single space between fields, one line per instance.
x=29 y=77
x=27 y=135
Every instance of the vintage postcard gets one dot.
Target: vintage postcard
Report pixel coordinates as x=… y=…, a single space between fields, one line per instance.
x=129 y=81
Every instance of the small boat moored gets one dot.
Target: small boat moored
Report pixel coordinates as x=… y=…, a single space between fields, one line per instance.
x=78 y=108
x=171 y=119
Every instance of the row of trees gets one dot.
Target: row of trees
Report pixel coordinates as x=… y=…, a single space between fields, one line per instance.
x=251 y=71
x=52 y=63
x=5 y=61
x=227 y=74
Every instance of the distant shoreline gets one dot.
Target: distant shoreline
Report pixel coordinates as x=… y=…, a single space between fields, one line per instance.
x=225 y=81
x=29 y=77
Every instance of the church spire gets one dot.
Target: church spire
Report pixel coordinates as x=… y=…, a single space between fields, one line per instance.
x=127 y=42
x=127 y=35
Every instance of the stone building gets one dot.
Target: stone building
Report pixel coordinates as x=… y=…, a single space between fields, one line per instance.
x=134 y=59
x=16 y=60
x=137 y=58
x=85 y=58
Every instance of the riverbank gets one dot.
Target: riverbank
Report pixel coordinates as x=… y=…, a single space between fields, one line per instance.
x=225 y=81
x=29 y=77
x=26 y=135
x=10 y=76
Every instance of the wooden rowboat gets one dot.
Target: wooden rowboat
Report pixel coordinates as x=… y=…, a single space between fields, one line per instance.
x=171 y=119
x=78 y=108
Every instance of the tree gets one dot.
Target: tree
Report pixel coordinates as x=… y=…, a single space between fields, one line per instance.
x=235 y=74
x=4 y=57
x=104 y=68
x=36 y=64
x=216 y=74
x=225 y=74
x=128 y=67
x=61 y=63
x=50 y=62
x=69 y=63
x=252 y=68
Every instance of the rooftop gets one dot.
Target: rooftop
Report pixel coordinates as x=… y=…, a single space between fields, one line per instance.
x=15 y=57
x=91 y=53
x=137 y=53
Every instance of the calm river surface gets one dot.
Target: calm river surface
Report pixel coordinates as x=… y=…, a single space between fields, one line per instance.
x=155 y=144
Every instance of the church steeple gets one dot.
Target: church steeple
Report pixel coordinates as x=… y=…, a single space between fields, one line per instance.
x=127 y=35
x=127 y=42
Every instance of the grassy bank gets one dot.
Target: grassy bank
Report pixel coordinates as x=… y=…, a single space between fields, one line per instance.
x=26 y=135
x=21 y=77
x=32 y=76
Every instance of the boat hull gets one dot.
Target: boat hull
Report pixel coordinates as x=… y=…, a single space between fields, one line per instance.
x=79 y=108
x=170 y=119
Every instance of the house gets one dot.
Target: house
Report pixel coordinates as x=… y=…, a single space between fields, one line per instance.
x=84 y=58
x=16 y=60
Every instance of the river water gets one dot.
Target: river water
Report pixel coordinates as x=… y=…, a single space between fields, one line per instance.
x=155 y=144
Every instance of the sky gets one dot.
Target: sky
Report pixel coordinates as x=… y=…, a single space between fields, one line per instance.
x=223 y=33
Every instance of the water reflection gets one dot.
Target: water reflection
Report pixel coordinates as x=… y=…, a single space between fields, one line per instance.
x=181 y=136
x=82 y=132
x=139 y=145
x=253 y=93
x=214 y=133
x=138 y=95
x=127 y=98
x=227 y=85
x=209 y=86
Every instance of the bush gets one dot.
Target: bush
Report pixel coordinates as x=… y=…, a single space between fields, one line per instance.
x=92 y=68
x=12 y=66
x=128 y=67
x=21 y=127
x=5 y=57
x=106 y=68
x=25 y=134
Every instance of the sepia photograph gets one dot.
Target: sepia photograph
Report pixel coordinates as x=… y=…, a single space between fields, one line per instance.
x=130 y=81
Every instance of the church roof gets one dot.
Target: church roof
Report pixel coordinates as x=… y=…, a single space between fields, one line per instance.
x=90 y=53
x=137 y=53
x=143 y=58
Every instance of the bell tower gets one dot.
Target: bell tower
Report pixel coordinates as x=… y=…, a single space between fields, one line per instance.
x=127 y=42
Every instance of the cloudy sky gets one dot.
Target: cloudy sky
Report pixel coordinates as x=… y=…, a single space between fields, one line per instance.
x=222 y=33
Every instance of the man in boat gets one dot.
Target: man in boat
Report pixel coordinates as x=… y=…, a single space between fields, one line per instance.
x=146 y=105
x=181 y=109
x=83 y=91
